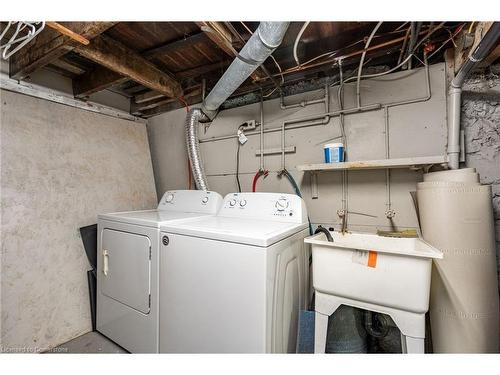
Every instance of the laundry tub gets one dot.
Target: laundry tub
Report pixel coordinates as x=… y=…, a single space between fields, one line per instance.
x=382 y=274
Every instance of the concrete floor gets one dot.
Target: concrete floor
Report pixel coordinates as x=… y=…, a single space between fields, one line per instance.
x=92 y=342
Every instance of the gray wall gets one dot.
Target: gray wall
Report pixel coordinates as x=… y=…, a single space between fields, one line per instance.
x=55 y=81
x=60 y=167
x=481 y=123
x=415 y=130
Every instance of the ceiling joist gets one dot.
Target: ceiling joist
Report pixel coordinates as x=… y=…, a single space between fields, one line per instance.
x=124 y=61
x=50 y=45
x=218 y=33
x=102 y=78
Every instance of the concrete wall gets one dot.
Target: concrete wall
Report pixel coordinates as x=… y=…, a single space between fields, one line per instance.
x=55 y=81
x=481 y=123
x=60 y=167
x=415 y=130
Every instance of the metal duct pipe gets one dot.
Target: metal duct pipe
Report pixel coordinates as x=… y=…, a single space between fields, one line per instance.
x=259 y=47
x=455 y=93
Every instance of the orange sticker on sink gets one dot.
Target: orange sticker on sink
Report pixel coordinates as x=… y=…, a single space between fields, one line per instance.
x=372 y=259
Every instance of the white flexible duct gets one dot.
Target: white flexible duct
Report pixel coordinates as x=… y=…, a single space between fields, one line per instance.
x=259 y=47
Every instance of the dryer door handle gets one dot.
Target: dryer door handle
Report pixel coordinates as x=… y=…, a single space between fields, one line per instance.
x=105 y=259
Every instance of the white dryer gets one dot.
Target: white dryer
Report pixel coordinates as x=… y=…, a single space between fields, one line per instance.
x=128 y=262
x=235 y=282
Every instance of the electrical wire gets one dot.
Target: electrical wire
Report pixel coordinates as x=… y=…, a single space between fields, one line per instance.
x=360 y=69
x=452 y=35
x=295 y=45
x=382 y=73
x=271 y=56
x=471 y=25
x=334 y=52
x=238 y=159
x=238 y=166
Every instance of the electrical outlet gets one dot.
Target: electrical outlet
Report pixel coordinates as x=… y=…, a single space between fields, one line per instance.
x=249 y=125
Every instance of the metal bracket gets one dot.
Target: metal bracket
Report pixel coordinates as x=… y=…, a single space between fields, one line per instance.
x=314 y=185
x=274 y=151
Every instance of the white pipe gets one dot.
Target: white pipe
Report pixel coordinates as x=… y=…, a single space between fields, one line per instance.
x=454 y=108
x=455 y=92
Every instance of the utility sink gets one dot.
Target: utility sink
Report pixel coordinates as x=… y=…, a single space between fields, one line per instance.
x=388 y=271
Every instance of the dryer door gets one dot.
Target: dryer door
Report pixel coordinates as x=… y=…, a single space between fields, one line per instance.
x=126 y=259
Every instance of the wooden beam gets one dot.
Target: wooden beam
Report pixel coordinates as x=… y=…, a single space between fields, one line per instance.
x=462 y=52
x=170 y=106
x=95 y=80
x=147 y=96
x=50 y=45
x=126 y=62
x=218 y=33
x=174 y=46
x=223 y=38
x=92 y=82
x=203 y=69
x=138 y=108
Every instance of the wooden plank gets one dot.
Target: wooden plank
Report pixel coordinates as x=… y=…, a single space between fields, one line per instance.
x=218 y=33
x=376 y=164
x=50 y=45
x=174 y=46
x=66 y=65
x=91 y=83
x=125 y=61
x=203 y=69
x=174 y=104
x=95 y=80
x=138 y=108
x=462 y=53
x=65 y=31
x=147 y=96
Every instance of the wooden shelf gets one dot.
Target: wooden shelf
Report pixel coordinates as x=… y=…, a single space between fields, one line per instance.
x=414 y=162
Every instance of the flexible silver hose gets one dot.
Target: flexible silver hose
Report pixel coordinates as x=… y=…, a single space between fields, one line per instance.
x=259 y=47
x=193 y=147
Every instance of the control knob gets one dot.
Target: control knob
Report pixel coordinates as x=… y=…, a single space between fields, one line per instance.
x=169 y=198
x=281 y=204
x=232 y=202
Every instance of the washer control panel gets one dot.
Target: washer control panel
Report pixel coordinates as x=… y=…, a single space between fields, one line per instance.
x=268 y=206
x=191 y=201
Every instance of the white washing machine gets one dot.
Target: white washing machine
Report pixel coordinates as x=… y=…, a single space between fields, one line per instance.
x=235 y=282
x=128 y=262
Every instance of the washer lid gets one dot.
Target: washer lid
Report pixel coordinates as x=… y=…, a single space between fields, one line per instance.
x=150 y=218
x=243 y=231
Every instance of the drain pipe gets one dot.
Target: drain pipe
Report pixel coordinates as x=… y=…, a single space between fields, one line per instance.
x=259 y=47
x=455 y=92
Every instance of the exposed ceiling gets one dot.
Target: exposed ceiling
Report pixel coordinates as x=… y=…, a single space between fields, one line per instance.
x=161 y=66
